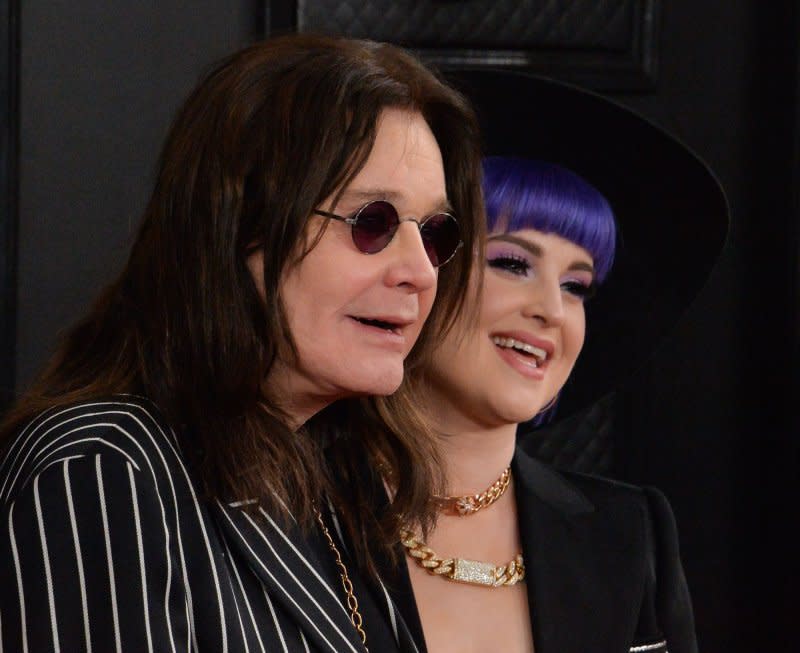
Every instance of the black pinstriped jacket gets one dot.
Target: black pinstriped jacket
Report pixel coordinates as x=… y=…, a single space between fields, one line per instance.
x=105 y=546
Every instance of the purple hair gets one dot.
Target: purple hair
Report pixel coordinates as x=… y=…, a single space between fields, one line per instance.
x=529 y=194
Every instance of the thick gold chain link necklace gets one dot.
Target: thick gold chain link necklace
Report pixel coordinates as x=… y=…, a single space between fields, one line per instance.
x=469 y=504
x=352 y=601
x=462 y=570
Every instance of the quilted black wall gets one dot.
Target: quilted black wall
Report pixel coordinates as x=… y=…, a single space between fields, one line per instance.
x=607 y=44
x=708 y=419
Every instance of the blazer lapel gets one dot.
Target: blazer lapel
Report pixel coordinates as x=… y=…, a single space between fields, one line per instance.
x=584 y=584
x=378 y=592
x=400 y=630
x=290 y=570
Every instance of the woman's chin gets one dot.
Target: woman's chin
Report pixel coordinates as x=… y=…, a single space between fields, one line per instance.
x=517 y=414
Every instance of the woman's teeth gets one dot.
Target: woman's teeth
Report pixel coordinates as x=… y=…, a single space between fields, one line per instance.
x=536 y=352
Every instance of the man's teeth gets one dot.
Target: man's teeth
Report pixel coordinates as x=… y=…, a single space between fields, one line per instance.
x=540 y=354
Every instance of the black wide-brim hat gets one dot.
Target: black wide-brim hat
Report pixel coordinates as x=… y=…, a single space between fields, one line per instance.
x=671 y=211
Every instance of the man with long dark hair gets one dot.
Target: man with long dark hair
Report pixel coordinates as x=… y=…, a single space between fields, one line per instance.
x=163 y=484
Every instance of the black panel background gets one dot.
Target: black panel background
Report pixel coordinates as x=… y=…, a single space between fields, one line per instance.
x=9 y=66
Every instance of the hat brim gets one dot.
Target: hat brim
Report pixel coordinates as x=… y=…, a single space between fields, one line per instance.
x=671 y=211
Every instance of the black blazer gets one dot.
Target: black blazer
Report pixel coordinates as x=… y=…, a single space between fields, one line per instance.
x=603 y=570
x=105 y=545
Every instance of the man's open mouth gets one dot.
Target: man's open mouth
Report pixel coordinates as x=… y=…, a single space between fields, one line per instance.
x=380 y=324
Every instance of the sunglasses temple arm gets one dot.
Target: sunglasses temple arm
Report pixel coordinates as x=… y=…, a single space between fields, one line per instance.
x=333 y=216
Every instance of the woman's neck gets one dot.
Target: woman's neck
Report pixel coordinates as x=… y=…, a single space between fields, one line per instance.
x=474 y=458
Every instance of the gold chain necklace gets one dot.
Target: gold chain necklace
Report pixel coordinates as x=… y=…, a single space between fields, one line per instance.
x=462 y=570
x=471 y=503
x=352 y=601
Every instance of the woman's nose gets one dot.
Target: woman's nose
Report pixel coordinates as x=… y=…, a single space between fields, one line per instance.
x=546 y=303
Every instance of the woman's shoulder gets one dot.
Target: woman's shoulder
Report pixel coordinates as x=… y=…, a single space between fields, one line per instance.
x=622 y=509
x=619 y=519
x=589 y=492
x=125 y=428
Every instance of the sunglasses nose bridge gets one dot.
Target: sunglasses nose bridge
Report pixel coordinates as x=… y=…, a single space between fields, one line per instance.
x=412 y=254
x=419 y=223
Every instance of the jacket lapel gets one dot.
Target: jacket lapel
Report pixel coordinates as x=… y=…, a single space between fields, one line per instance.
x=378 y=592
x=583 y=573
x=289 y=569
x=402 y=634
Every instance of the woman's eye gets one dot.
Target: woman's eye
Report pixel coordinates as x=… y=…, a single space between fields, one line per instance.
x=510 y=263
x=580 y=289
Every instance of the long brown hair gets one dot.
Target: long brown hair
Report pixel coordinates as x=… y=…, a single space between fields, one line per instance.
x=267 y=135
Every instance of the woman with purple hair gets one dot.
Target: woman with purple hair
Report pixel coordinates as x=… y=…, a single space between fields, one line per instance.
x=544 y=560
x=521 y=556
x=508 y=522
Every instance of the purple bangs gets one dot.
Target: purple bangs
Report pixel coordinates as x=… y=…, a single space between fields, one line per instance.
x=529 y=194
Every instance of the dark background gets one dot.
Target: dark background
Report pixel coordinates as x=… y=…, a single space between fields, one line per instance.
x=87 y=94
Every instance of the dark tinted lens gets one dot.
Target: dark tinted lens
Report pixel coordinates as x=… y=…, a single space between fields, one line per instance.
x=375 y=226
x=441 y=237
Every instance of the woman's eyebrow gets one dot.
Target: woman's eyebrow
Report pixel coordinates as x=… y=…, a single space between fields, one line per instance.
x=532 y=247
x=582 y=265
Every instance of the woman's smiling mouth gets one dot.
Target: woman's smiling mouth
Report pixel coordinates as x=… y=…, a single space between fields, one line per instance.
x=537 y=354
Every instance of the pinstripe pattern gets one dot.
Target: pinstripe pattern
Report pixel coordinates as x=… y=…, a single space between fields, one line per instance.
x=78 y=554
x=105 y=546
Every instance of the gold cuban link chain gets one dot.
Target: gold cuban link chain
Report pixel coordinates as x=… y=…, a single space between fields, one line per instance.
x=472 y=503
x=462 y=570
x=352 y=601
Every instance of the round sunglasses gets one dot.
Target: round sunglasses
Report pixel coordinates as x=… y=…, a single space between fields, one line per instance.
x=374 y=225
